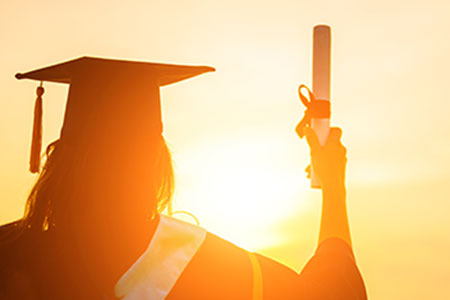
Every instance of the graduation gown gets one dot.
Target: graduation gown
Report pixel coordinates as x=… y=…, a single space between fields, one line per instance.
x=184 y=261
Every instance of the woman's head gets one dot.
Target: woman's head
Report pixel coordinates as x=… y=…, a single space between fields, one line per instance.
x=111 y=162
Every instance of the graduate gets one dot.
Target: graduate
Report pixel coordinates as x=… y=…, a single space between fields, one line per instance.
x=93 y=227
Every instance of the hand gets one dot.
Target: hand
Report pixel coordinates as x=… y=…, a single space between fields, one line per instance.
x=328 y=161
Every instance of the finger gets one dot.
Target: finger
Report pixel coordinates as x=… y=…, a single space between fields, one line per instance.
x=335 y=134
x=300 y=130
x=312 y=139
x=344 y=150
x=334 y=137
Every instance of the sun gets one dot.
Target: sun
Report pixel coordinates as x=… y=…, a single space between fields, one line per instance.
x=238 y=190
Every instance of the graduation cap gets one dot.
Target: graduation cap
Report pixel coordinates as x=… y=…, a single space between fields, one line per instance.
x=105 y=94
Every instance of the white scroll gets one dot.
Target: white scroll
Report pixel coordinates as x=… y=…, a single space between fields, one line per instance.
x=321 y=83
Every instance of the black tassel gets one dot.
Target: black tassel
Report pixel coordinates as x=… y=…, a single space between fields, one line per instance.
x=36 y=142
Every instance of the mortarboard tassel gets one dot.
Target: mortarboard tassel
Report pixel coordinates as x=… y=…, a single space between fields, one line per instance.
x=36 y=142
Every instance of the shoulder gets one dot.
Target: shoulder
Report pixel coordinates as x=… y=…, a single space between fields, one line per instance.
x=9 y=229
x=20 y=249
x=15 y=282
x=17 y=241
x=10 y=241
x=222 y=270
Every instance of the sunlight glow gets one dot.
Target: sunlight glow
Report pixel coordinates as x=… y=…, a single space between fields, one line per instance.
x=238 y=191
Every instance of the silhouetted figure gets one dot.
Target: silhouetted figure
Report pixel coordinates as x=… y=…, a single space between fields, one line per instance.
x=93 y=228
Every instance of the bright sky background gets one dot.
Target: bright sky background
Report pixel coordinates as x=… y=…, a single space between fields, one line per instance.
x=238 y=161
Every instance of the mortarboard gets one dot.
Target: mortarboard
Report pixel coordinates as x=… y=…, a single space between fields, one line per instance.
x=104 y=94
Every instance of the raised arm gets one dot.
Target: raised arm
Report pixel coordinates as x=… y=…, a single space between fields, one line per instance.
x=329 y=164
x=332 y=272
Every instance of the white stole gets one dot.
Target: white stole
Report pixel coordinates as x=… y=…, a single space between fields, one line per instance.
x=155 y=272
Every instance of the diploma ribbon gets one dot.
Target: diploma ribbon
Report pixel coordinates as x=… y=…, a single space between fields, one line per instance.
x=315 y=109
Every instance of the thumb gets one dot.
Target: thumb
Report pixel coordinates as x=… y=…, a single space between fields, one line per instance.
x=335 y=134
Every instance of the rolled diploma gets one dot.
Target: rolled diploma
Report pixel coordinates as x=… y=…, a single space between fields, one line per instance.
x=321 y=84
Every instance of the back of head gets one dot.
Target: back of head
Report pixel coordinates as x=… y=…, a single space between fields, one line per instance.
x=111 y=163
x=98 y=184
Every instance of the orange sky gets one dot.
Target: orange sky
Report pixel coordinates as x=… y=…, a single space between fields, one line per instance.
x=238 y=162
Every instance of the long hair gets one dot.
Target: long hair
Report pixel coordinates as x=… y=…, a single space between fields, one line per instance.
x=63 y=175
